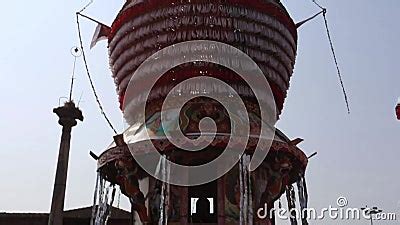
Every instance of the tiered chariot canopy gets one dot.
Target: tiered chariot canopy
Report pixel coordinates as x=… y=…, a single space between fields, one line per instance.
x=260 y=28
x=264 y=31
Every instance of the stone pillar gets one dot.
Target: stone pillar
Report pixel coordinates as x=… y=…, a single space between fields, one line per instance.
x=68 y=114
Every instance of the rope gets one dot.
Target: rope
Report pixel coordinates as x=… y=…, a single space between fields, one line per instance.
x=324 y=11
x=85 y=7
x=90 y=18
x=90 y=77
x=72 y=79
x=306 y=20
x=317 y=4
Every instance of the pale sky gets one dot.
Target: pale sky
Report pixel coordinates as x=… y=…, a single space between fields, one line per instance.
x=358 y=154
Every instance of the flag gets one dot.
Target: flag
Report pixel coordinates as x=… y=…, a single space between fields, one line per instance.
x=101 y=33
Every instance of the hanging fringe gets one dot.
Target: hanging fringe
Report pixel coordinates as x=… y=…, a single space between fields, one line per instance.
x=102 y=207
x=160 y=168
x=102 y=201
x=96 y=189
x=246 y=200
x=164 y=169
x=242 y=211
x=99 y=203
x=167 y=188
x=119 y=197
x=250 y=192
x=303 y=198
x=305 y=191
x=291 y=199
x=108 y=212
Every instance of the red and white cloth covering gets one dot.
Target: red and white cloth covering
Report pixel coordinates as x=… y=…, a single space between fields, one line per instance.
x=262 y=29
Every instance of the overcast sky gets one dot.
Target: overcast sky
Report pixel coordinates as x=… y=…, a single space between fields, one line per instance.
x=358 y=154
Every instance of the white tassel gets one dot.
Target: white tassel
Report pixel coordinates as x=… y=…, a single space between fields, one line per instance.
x=246 y=199
x=96 y=190
x=165 y=174
x=241 y=220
